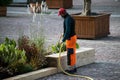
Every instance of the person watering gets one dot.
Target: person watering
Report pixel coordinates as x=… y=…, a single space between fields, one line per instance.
x=69 y=36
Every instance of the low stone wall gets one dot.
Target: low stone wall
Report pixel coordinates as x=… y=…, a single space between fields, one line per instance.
x=84 y=56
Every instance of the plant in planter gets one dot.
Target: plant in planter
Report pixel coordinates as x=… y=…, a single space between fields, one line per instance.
x=3 y=6
x=60 y=47
x=35 y=51
x=11 y=58
x=56 y=48
x=91 y=25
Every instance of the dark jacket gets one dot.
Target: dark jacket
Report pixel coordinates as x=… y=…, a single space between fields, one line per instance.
x=69 y=27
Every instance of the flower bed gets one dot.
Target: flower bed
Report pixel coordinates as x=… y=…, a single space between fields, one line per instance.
x=84 y=56
x=28 y=55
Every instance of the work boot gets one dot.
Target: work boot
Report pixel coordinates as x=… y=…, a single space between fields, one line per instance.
x=75 y=70
x=71 y=71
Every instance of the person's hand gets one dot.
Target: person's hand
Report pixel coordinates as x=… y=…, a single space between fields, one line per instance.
x=61 y=35
x=61 y=41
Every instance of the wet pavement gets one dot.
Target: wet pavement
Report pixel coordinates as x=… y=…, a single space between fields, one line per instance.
x=107 y=49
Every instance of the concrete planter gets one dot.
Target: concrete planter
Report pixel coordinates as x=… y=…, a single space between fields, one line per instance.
x=84 y=56
x=59 y=3
x=3 y=11
x=92 y=26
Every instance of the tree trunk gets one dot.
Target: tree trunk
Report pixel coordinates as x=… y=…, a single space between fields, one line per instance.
x=86 y=8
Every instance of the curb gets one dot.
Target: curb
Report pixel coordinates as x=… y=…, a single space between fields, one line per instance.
x=35 y=74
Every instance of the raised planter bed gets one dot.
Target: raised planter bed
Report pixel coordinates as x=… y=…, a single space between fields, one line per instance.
x=95 y=26
x=84 y=56
x=59 y=3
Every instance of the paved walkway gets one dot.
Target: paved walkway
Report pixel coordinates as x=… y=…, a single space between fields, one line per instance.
x=107 y=64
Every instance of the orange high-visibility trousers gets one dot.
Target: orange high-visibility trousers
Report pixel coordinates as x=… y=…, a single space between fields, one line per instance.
x=71 y=50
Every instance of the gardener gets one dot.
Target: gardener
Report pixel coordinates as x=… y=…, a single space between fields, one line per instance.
x=70 y=38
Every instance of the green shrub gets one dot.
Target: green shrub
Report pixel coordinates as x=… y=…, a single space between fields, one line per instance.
x=56 y=48
x=77 y=46
x=24 y=68
x=35 y=51
x=60 y=47
x=11 y=56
